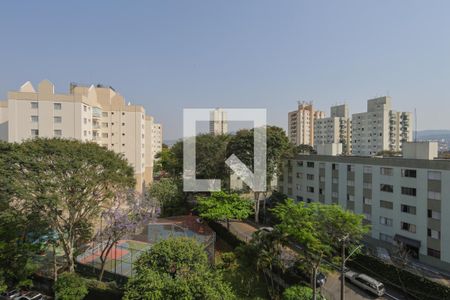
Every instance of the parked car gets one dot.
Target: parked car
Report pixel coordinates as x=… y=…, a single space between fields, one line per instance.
x=366 y=282
x=321 y=278
x=266 y=229
x=10 y=295
x=30 y=296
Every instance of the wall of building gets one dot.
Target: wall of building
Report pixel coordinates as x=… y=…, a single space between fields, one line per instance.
x=358 y=184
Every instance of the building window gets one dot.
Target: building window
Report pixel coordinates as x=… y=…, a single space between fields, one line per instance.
x=310 y=189
x=85 y=133
x=388 y=188
x=387 y=171
x=309 y=176
x=84 y=107
x=34 y=132
x=34 y=119
x=386 y=221
x=123 y=145
x=123 y=124
x=85 y=121
x=57 y=132
x=434 y=195
x=409 y=191
x=57 y=106
x=322 y=165
x=34 y=105
x=350 y=183
x=57 y=120
x=310 y=164
x=408 y=209
x=386 y=204
x=299 y=198
x=434 y=214
x=367 y=185
x=105 y=125
x=386 y=238
x=123 y=114
x=434 y=234
x=350 y=168
x=334 y=180
x=367 y=170
x=409 y=173
x=104 y=114
x=367 y=201
x=334 y=194
x=321 y=178
x=299 y=163
x=434 y=253
x=104 y=135
x=408 y=227
x=289 y=191
x=434 y=175
x=334 y=167
x=350 y=197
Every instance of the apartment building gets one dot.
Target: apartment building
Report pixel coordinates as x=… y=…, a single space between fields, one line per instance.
x=301 y=123
x=218 y=123
x=334 y=129
x=380 y=128
x=405 y=199
x=87 y=113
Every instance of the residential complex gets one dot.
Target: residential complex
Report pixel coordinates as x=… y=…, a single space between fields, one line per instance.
x=334 y=129
x=218 y=123
x=301 y=123
x=405 y=199
x=87 y=113
x=380 y=128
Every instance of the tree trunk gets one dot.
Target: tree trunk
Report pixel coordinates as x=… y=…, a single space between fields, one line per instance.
x=256 y=194
x=228 y=224
x=70 y=259
x=314 y=275
x=342 y=272
x=102 y=271
x=55 y=266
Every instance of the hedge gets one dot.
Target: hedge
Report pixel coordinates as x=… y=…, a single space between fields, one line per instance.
x=417 y=286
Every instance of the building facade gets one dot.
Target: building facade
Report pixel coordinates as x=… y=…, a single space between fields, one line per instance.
x=380 y=128
x=218 y=123
x=334 y=129
x=87 y=113
x=301 y=123
x=405 y=199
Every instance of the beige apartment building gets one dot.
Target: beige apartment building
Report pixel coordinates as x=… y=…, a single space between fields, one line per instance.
x=380 y=128
x=301 y=123
x=334 y=129
x=405 y=199
x=86 y=113
x=218 y=123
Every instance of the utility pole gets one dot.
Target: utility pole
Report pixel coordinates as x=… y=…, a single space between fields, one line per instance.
x=343 y=271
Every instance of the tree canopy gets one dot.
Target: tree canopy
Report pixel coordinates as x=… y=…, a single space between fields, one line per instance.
x=224 y=206
x=66 y=183
x=176 y=268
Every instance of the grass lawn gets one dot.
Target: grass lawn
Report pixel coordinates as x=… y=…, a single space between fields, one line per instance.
x=245 y=282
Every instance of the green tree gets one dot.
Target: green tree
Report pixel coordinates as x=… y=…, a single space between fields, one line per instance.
x=70 y=286
x=242 y=145
x=176 y=268
x=20 y=224
x=319 y=230
x=298 y=292
x=68 y=183
x=224 y=206
x=166 y=194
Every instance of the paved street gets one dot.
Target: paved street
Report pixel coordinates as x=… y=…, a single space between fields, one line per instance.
x=332 y=288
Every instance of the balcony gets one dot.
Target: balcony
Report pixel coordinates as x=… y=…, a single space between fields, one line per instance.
x=96 y=113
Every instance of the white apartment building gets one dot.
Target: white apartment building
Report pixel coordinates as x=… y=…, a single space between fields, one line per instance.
x=380 y=128
x=94 y=113
x=301 y=123
x=218 y=123
x=334 y=129
x=405 y=199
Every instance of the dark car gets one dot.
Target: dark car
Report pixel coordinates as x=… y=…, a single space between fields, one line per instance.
x=321 y=278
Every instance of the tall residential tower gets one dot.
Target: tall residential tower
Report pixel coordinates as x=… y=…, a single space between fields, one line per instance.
x=301 y=123
x=87 y=113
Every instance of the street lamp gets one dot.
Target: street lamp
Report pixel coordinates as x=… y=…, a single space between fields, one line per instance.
x=344 y=239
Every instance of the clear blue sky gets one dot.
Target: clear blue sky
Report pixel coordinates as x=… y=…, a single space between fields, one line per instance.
x=168 y=55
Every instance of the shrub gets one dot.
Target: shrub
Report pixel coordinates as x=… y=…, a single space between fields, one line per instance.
x=70 y=286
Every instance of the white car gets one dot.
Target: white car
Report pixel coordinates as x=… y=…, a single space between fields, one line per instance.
x=366 y=283
x=30 y=296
